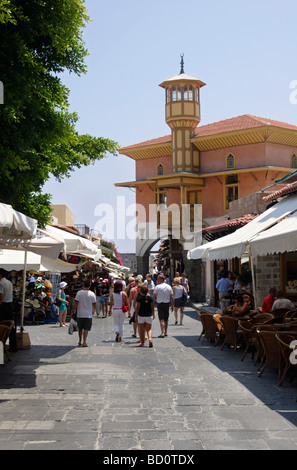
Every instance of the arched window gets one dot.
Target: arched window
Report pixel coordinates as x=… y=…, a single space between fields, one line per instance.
x=294 y=160
x=230 y=162
x=160 y=169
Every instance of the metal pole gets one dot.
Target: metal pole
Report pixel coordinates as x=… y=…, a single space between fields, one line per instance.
x=23 y=293
x=254 y=283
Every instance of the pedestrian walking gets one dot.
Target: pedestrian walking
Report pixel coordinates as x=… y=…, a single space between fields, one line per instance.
x=104 y=299
x=97 y=291
x=144 y=314
x=132 y=300
x=150 y=285
x=185 y=283
x=74 y=287
x=119 y=304
x=85 y=306
x=180 y=296
x=63 y=305
x=163 y=294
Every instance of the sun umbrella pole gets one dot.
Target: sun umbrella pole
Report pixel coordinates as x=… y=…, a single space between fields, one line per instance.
x=254 y=281
x=24 y=291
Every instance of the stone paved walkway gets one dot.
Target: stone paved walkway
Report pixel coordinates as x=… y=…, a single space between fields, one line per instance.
x=179 y=395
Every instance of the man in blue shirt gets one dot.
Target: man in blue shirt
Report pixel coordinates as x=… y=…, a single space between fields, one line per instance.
x=223 y=286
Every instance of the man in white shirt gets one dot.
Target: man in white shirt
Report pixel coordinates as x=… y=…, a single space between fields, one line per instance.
x=85 y=305
x=163 y=294
x=6 y=308
x=281 y=302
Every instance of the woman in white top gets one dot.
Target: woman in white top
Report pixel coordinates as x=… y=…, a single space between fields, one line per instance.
x=178 y=292
x=132 y=299
x=118 y=300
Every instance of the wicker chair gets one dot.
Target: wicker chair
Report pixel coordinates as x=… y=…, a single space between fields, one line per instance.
x=272 y=357
x=291 y=315
x=260 y=351
x=285 y=339
x=249 y=334
x=261 y=318
x=280 y=312
x=5 y=329
x=202 y=312
x=231 y=331
x=210 y=330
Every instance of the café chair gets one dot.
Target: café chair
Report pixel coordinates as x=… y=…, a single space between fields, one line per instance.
x=262 y=318
x=285 y=339
x=260 y=351
x=209 y=325
x=280 y=312
x=291 y=315
x=249 y=335
x=201 y=312
x=231 y=331
x=272 y=357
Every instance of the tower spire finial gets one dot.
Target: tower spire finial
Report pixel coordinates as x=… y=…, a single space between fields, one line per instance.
x=182 y=64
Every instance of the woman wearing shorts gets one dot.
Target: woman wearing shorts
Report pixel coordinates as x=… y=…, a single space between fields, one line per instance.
x=104 y=299
x=144 y=313
x=178 y=292
x=63 y=305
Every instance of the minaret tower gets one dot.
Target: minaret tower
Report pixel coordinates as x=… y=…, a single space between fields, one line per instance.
x=182 y=116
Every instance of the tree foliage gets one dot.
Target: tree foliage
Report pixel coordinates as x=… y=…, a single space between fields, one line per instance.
x=39 y=40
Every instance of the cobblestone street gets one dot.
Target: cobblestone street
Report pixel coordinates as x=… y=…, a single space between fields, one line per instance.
x=178 y=395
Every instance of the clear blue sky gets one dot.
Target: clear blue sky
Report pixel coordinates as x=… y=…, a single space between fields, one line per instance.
x=246 y=53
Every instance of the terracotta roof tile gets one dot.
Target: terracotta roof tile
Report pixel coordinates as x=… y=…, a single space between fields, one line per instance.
x=288 y=189
x=245 y=121
x=231 y=223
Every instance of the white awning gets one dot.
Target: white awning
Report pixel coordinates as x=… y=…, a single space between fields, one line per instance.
x=278 y=239
x=74 y=243
x=14 y=225
x=13 y=260
x=45 y=244
x=201 y=251
x=235 y=244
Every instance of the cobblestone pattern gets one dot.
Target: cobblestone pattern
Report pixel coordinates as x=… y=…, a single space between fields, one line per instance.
x=178 y=395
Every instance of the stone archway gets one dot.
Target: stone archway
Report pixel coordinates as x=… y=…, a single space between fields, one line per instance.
x=143 y=255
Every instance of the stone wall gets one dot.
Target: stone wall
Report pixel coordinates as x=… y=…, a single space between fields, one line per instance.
x=142 y=265
x=248 y=205
x=267 y=275
x=194 y=270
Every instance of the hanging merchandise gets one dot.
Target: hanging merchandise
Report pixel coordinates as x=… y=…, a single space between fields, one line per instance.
x=73 y=259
